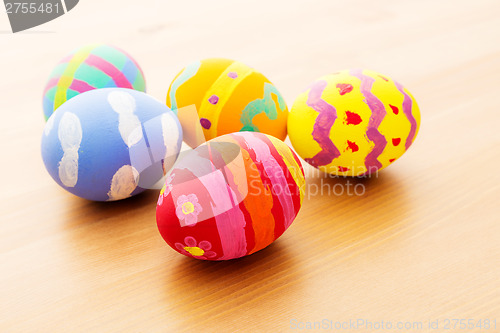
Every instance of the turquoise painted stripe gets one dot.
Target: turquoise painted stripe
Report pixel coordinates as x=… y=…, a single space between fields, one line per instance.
x=188 y=73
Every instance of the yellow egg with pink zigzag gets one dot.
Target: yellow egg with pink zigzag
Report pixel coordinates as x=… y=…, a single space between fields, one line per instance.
x=353 y=123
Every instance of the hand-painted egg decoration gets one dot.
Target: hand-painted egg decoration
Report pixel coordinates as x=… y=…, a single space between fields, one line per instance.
x=110 y=144
x=353 y=122
x=90 y=67
x=229 y=97
x=231 y=196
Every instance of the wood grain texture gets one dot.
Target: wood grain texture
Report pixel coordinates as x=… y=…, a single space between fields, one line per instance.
x=422 y=243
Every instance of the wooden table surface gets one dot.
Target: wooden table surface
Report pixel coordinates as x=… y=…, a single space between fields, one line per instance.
x=422 y=244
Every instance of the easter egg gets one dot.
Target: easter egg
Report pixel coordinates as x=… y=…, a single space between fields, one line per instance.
x=110 y=144
x=90 y=67
x=230 y=197
x=228 y=97
x=353 y=123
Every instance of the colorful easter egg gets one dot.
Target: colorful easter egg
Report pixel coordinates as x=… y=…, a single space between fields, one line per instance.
x=353 y=123
x=231 y=196
x=110 y=144
x=90 y=67
x=229 y=97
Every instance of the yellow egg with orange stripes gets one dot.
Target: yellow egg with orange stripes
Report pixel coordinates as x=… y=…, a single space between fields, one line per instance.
x=227 y=96
x=353 y=123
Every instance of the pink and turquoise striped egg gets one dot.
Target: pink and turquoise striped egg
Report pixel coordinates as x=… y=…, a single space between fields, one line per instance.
x=90 y=67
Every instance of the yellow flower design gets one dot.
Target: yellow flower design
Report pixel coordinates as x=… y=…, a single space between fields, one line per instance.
x=194 y=249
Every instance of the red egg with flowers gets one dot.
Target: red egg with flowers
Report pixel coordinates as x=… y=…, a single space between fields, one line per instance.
x=230 y=197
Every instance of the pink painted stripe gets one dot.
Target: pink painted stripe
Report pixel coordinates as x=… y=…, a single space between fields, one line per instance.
x=231 y=229
x=80 y=86
x=110 y=70
x=407 y=107
x=378 y=113
x=371 y=162
x=135 y=63
x=327 y=115
x=51 y=84
x=229 y=218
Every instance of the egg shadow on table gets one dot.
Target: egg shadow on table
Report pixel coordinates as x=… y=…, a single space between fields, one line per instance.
x=357 y=207
x=224 y=281
x=110 y=229
x=112 y=211
x=329 y=220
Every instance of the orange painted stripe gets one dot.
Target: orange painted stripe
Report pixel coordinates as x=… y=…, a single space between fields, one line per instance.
x=223 y=87
x=258 y=203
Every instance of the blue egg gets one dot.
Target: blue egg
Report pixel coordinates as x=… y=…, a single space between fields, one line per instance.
x=110 y=144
